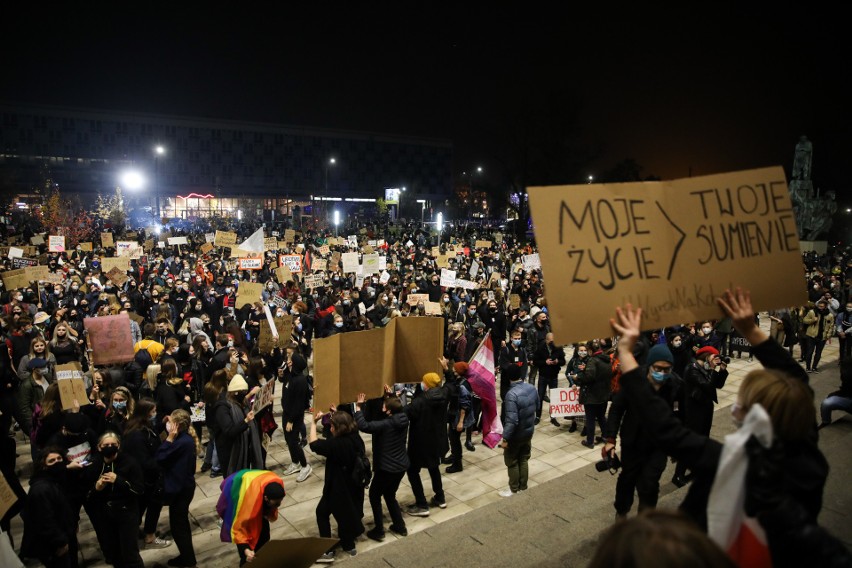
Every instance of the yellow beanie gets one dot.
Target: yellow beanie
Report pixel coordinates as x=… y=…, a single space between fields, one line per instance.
x=432 y=380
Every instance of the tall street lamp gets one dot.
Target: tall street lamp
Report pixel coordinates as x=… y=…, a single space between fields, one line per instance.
x=336 y=221
x=158 y=151
x=328 y=164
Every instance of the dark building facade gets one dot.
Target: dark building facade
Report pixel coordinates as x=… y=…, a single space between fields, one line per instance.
x=214 y=166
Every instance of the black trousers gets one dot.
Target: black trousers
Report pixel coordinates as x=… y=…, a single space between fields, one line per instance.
x=116 y=524
x=640 y=471
x=179 y=523
x=262 y=539
x=297 y=453
x=417 y=484
x=67 y=560
x=594 y=413
x=325 y=510
x=455 y=443
x=385 y=485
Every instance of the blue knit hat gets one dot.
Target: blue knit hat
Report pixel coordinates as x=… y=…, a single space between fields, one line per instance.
x=659 y=352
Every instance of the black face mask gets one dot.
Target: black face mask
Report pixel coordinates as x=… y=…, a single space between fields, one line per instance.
x=57 y=470
x=109 y=451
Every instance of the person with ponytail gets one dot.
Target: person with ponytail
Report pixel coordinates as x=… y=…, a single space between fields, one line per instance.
x=177 y=455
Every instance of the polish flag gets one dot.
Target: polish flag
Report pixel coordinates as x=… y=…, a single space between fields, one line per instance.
x=482 y=380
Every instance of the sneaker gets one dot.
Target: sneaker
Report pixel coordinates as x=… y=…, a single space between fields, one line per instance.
x=157 y=543
x=215 y=473
x=588 y=444
x=417 y=511
x=304 y=473
x=326 y=558
x=352 y=552
x=815 y=370
x=469 y=446
x=205 y=467
x=376 y=534
x=555 y=422
x=291 y=469
x=505 y=493
x=454 y=469
x=435 y=503
x=401 y=531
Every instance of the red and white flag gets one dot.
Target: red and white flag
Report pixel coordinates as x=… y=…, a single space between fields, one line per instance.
x=483 y=379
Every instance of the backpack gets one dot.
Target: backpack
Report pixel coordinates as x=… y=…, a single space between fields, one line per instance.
x=362 y=471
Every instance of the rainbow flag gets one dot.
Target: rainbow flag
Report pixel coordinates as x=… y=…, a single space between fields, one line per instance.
x=483 y=379
x=240 y=505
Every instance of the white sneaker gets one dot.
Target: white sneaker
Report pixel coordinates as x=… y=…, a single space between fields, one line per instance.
x=505 y=493
x=292 y=468
x=304 y=473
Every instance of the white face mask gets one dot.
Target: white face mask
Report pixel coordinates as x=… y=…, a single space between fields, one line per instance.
x=423 y=386
x=707 y=330
x=676 y=343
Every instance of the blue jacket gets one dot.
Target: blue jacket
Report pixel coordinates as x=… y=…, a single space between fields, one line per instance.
x=520 y=404
x=178 y=462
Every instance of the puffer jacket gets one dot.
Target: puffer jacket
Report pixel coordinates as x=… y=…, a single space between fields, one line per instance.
x=520 y=404
x=389 y=434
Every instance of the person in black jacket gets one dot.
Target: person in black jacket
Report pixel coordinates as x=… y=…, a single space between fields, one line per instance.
x=784 y=483
x=294 y=401
x=117 y=483
x=50 y=527
x=548 y=358
x=642 y=464
x=594 y=380
x=390 y=462
x=427 y=442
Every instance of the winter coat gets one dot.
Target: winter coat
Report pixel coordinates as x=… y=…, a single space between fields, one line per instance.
x=520 y=405
x=389 y=453
x=594 y=380
x=812 y=321
x=49 y=521
x=427 y=437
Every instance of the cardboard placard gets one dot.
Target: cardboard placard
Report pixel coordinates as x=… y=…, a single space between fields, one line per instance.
x=109 y=263
x=443 y=261
x=86 y=247
x=371 y=264
x=324 y=250
x=448 y=277
x=432 y=308
x=249 y=293
x=107 y=240
x=292 y=552
x=264 y=396
x=283 y=274
x=13 y=279
x=414 y=299
x=514 y=301
x=55 y=243
x=251 y=263
x=319 y=264
x=110 y=339
x=270 y=243
x=8 y=497
x=71 y=385
x=350 y=262
x=291 y=261
x=483 y=244
x=209 y=237
x=283 y=328
x=177 y=241
x=289 y=235
x=314 y=281
x=128 y=249
x=565 y=403
x=350 y=363
x=474 y=268
x=334 y=263
x=670 y=248
x=37 y=240
x=531 y=262
x=118 y=276
x=225 y=239
x=205 y=248
x=15 y=252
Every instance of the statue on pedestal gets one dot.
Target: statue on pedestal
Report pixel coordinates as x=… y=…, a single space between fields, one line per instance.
x=813 y=212
x=802 y=159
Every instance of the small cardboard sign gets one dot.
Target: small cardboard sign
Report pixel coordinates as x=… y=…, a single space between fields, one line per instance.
x=86 y=247
x=270 y=244
x=177 y=241
x=314 y=281
x=324 y=250
x=118 y=276
x=110 y=339
x=291 y=261
x=264 y=396
x=56 y=243
x=106 y=240
x=109 y=263
x=251 y=263
x=432 y=308
x=565 y=403
x=209 y=237
x=205 y=248
x=414 y=299
x=37 y=240
x=283 y=274
x=483 y=244
x=15 y=252
x=514 y=301
x=225 y=239
x=249 y=293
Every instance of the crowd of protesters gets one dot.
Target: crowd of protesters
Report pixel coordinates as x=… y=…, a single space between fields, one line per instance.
x=184 y=405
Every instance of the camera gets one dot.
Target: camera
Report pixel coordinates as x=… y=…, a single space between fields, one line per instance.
x=726 y=360
x=610 y=462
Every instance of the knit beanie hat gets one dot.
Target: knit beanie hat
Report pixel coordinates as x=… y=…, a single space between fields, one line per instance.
x=432 y=380
x=237 y=384
x=660 y=352
x=460 y=368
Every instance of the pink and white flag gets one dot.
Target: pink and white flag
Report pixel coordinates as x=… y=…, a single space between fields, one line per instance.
x=483 y=379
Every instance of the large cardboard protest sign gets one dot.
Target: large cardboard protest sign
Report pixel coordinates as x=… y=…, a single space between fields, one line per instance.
x=364 y=361
x=266 y=339
x=249 y=293
x=264 y=396
x=225 y=239
x=110 y=339
x=109 y=263
x=13 y=279
x=669 y=247
x=291 y=261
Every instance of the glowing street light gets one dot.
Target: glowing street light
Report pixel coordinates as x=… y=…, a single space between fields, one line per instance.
x=132 y=180
x=336 y=221
x=591 y=178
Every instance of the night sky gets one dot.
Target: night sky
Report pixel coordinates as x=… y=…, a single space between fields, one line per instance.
x=679 y=93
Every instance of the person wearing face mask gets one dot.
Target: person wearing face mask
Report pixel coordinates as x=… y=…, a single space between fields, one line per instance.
x=141 y=441
x=495 y=321
x=783 y=483
x=337 y=326
x=820 y=328
x=427 y=442
x=549 y=358
x=119 y=409
x=50 y=527
x=295 y=399
x=237 y=434
x=116 y=482
x=512 y=355
x=706 y=336
x=680 y=346
x=843 y=324
x=642 y=464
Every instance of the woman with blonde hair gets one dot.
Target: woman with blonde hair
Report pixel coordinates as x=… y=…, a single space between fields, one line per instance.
x=176 y=456
x=64 y=345
x=47 y=417
x=39 y=349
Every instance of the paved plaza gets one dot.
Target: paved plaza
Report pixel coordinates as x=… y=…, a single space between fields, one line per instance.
x=557 y=522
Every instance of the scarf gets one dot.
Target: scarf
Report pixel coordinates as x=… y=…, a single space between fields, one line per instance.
x=246 y=450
